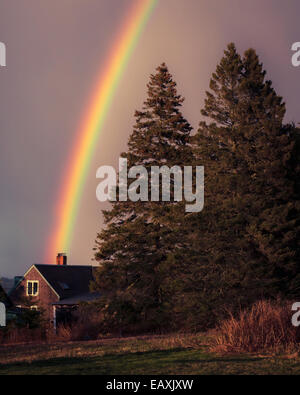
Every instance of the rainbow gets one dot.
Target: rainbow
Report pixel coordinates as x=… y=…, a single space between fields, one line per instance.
x=70 y=193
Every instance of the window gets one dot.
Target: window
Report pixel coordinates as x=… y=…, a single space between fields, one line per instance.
x=32 y=288
x=35 y=308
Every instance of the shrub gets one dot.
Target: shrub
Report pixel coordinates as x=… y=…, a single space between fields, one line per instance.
x=88 y=323
x=266 y=326
x=15 y=335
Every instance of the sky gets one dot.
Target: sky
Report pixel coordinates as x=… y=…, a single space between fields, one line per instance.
x=55 y=49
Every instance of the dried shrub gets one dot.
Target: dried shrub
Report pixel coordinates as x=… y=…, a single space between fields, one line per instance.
x=22 y=336
x=88 y=323
x=265 y=327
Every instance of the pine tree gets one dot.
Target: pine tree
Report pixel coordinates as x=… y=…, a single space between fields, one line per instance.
x=132 y=249
x=244 y=245
x=271 y=154
x=276 y=231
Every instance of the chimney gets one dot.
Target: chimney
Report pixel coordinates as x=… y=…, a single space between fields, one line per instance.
x=61 y=259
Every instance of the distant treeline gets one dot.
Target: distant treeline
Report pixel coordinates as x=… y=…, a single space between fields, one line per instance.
x=7 y=283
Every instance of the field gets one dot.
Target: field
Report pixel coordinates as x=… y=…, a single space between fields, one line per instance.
x=139 y=355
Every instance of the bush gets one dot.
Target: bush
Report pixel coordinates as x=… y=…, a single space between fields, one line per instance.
x=24 y=326
x=15 y=335
x=267 y=326
x=88 y=323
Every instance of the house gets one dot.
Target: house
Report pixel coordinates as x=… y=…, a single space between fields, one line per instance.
x=56 y=290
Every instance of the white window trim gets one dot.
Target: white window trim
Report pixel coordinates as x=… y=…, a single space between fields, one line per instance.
x=33 y=266
x=35 y=308
x=33 y=282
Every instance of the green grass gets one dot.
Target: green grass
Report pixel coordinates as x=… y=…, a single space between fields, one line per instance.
x=123 y=357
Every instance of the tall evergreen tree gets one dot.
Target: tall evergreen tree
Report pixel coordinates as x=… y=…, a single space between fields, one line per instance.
x=159 y=265
x=251 y=221
x=133 y=247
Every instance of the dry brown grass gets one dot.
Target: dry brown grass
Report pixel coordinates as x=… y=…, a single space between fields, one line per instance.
x=265 y=328
x=101 y=347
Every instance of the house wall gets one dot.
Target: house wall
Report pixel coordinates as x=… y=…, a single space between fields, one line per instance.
x=46 y=295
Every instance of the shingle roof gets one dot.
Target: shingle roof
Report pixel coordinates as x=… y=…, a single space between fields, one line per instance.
x=68 y=281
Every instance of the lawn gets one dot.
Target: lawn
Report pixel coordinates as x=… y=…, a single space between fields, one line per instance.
x=138 y=356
